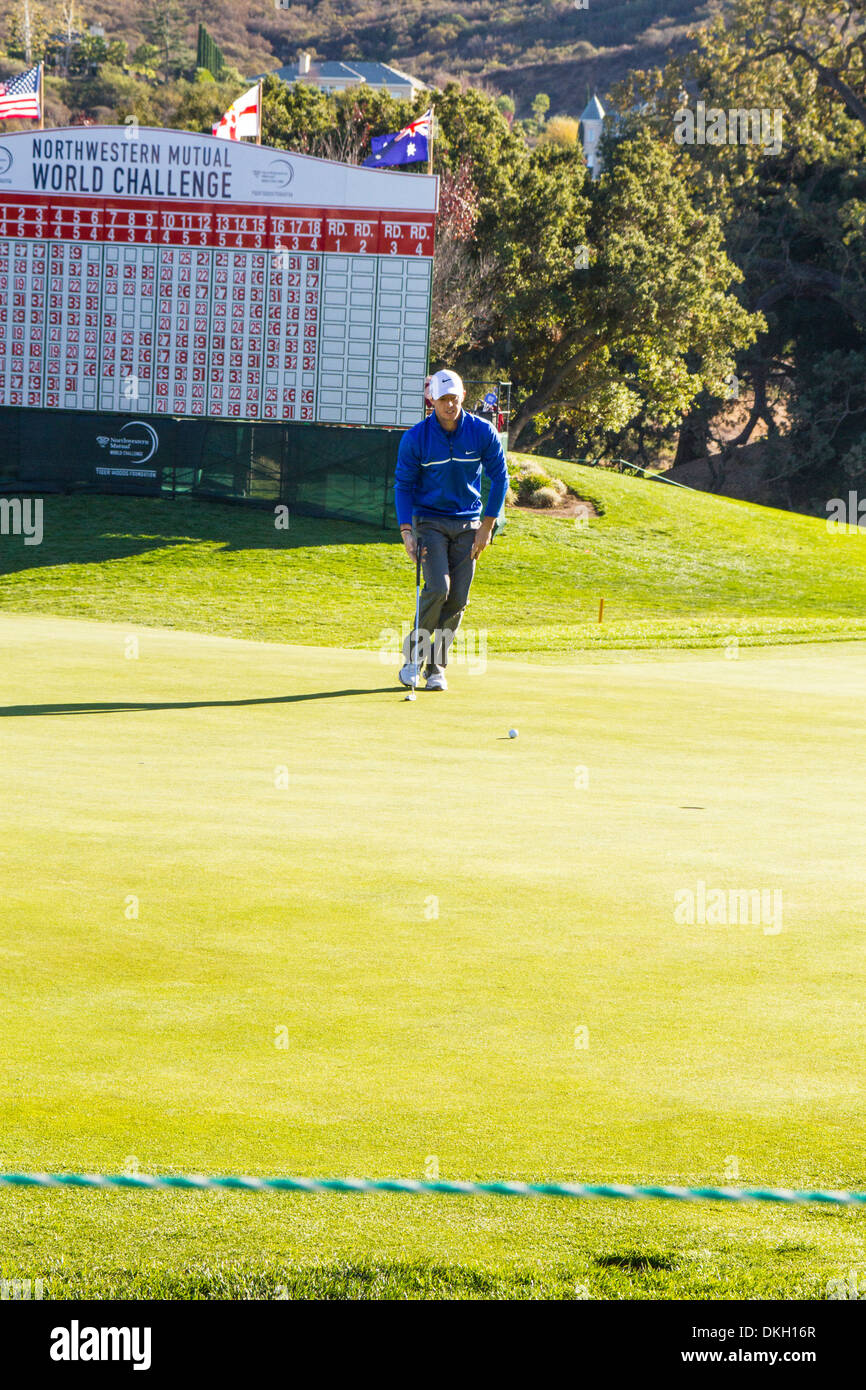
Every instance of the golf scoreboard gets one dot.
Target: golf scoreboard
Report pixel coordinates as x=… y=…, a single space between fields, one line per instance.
x=165 y=273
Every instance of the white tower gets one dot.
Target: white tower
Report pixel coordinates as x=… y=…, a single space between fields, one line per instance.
x=591 y=126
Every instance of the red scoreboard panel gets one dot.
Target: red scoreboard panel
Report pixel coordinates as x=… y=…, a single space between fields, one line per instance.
x=221 y=308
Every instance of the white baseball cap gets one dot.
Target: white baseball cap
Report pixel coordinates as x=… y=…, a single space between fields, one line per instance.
x=445 y=383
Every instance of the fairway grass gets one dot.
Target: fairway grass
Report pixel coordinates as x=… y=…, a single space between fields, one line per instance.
x=262 y=916
x=675 y=569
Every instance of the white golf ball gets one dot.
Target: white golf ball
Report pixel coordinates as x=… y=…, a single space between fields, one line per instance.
x=512 y=733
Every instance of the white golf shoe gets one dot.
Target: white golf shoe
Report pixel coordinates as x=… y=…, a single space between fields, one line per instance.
x=409 y=674
x=436 y=682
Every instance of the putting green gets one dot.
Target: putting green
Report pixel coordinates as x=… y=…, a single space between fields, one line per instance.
x=261 y=915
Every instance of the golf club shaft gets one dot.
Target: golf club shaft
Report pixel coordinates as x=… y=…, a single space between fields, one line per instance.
x=417 y=597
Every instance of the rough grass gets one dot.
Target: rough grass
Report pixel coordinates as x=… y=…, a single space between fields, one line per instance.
x=675 y=569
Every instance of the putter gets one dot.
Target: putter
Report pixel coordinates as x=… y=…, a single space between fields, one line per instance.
x=411 y=694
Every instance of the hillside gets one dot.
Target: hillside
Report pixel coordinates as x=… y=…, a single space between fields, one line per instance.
x=514 y=49
x=520 y=50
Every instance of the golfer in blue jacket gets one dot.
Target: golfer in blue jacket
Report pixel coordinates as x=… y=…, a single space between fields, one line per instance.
x=437 y=492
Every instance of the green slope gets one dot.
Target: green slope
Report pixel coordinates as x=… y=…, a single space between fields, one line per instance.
x=675 y=568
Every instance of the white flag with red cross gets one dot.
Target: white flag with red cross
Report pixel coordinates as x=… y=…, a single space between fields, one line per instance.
x=243 y=118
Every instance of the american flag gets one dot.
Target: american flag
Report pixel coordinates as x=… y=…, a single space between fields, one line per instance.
x=19 y=96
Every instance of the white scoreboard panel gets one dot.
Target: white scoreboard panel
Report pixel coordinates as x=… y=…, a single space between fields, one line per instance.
x=128 y=305
x=220 y=308
x=401 y=336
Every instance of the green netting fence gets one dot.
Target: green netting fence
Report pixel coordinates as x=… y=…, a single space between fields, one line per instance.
x=318 y=470
x=341 y=471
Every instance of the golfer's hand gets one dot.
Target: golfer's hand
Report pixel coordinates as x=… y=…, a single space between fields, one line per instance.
x=482 y=536
x=411 y=550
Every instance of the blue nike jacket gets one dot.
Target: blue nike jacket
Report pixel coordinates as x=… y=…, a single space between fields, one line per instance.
x=439 y=474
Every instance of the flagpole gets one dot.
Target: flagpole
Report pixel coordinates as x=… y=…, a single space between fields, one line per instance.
x=259 y=136
x=41 y=96
x=430 y=144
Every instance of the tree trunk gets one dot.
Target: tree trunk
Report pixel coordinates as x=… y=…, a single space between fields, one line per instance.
x=694 y=436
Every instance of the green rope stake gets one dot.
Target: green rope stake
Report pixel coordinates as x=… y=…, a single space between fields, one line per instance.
x=141 y=1182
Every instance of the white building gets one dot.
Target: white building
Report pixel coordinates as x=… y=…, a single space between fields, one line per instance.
x=335 y=76
x=591 y=126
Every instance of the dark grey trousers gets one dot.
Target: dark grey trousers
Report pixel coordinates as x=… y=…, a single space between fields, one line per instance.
x=448 y=568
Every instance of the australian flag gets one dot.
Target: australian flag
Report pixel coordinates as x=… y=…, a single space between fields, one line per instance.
x=407 y=146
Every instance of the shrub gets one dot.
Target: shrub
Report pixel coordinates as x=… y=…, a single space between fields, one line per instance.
x=560 y=130
x=528 y=479
x=545 y=497
x=531 y=478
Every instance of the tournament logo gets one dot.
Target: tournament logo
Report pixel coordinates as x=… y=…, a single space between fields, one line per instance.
x=135 y=445
x=279 y=174
x=147 y=439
